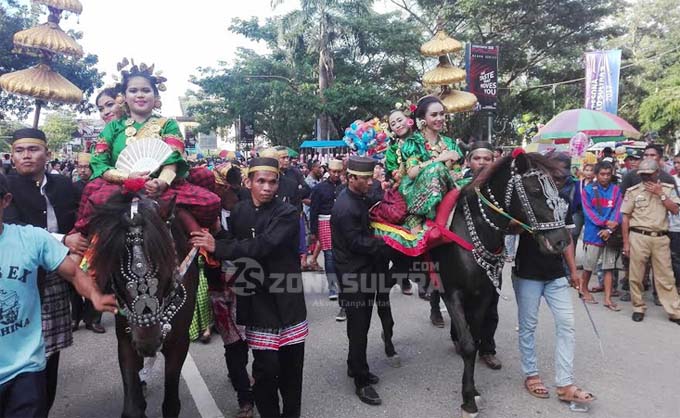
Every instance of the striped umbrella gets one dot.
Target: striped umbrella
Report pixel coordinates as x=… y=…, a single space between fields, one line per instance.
x=600 y=126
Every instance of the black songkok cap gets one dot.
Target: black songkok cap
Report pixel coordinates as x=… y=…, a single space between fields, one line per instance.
x=28 y=136
x=360 y=166
x=263 y=164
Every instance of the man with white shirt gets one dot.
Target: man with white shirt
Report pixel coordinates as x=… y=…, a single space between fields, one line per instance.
x=46 y=201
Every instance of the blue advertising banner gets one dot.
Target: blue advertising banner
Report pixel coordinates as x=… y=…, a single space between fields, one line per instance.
x=602 y=80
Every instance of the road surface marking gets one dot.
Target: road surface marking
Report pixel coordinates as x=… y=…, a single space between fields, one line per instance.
x=204 y=401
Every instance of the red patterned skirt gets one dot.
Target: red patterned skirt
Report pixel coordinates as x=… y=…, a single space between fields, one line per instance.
x=325 y=232
x=203 y=204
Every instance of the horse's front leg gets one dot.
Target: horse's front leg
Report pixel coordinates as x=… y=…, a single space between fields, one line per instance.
x=134 y=404
x=454 y=304
x=175 y=354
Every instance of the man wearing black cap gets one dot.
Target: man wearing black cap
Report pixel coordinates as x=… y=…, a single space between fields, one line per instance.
x=47 y=201
x=261 y=243
x=361 y=264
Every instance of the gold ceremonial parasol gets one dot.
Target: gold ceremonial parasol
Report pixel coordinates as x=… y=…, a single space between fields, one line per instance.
x=48 y=37
x=444 y=73
x=73 y=6
x=458 y=101
x=440 y=44
x=41 y=83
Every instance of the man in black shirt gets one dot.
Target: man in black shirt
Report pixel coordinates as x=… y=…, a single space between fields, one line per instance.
x=537 y=275
x=361 y=267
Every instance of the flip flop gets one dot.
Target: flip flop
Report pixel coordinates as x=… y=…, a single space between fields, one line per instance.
x=596 y=289
x=612 y=307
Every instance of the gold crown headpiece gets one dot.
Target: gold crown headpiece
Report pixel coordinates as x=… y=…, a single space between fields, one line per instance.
x=143 y=70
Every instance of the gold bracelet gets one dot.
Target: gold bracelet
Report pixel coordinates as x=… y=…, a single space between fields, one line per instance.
x=114 y=176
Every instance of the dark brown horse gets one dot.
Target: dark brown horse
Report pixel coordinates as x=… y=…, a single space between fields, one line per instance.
x=521 y=188
x=136 y=253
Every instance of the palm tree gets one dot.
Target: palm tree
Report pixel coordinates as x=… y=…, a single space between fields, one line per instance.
x=315 y=27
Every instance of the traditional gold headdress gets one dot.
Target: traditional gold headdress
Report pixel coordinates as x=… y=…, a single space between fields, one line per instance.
x=143 y=70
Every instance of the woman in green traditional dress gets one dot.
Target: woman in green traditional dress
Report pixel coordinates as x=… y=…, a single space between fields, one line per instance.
x=140 y=88
x=401 y=126
x=428 y=159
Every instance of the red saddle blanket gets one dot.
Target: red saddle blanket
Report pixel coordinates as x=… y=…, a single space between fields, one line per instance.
x=434 y=233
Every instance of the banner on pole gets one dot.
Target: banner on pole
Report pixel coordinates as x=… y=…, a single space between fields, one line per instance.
x=602 y=80
x=482 y=74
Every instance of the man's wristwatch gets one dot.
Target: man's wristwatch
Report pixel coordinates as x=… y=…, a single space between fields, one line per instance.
x=663 y=197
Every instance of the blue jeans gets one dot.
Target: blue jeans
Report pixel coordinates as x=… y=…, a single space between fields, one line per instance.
x=557 y=294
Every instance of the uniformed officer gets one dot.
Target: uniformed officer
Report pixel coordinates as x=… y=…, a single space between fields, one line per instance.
x=645 y=236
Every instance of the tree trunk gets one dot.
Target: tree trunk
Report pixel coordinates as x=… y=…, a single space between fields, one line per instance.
x=326 y=128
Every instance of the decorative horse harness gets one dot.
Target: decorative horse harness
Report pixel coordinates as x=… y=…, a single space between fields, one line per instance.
x=147 y=308
x=492 y=262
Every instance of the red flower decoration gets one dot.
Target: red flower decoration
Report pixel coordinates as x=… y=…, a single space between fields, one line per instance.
x=133 y=185
x=517 y=151
x=412 y=108
x=409 y=122
x=101 y=147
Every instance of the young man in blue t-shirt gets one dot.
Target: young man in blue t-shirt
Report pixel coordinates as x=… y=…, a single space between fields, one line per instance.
x=22 y=357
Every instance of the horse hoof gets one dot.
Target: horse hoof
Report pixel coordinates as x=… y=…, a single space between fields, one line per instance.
x=479 y=401
x=394 y=361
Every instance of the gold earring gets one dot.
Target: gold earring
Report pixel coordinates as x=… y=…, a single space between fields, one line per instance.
x=157 y=104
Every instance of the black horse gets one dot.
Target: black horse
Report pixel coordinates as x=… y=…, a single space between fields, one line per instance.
x=522 y=188
x=136 y=252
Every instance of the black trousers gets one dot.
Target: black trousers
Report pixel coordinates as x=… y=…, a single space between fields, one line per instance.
x=236 y=355
x=83 y=310
x=52 y=376
x=278 y=372
x=358 y=293
x=25 y=396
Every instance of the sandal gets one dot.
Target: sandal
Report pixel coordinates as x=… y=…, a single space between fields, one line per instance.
x=535 y=387
x=315 y=267
x=591 y=300
x=573 y=393
x=596 y=289
x=612 y=307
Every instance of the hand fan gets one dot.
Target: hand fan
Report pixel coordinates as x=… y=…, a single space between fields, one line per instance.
x=143 y=155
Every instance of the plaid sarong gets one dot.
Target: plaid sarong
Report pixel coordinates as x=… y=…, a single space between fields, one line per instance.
x=56 y=313
x=203 y=315
x=259 y=339
x=325 y=232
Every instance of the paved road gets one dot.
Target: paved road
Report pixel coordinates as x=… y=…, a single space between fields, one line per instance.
x=638 y=377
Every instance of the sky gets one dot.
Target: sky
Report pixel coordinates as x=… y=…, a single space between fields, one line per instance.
x=177 y=36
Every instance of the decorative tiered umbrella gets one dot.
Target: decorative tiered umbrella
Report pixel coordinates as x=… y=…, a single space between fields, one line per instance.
x=445 y=74
x=45 y=41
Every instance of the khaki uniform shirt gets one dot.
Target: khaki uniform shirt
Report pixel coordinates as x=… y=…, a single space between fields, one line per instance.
x=646 y=210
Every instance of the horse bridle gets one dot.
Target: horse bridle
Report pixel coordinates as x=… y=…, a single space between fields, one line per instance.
x=147 y=308
x=492 y=262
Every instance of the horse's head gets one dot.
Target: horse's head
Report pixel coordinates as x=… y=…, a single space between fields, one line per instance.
x=522 y=186
x=135 y=250
x=536 y=201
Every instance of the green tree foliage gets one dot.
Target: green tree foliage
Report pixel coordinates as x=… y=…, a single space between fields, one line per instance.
x=375 y=64
x=649 y=95
x=81 y=72
x=59 y=128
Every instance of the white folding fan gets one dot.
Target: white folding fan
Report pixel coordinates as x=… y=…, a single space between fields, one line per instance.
x=143 y=155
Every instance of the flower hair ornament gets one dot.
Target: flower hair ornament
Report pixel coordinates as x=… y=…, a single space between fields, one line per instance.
x=143 y=70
